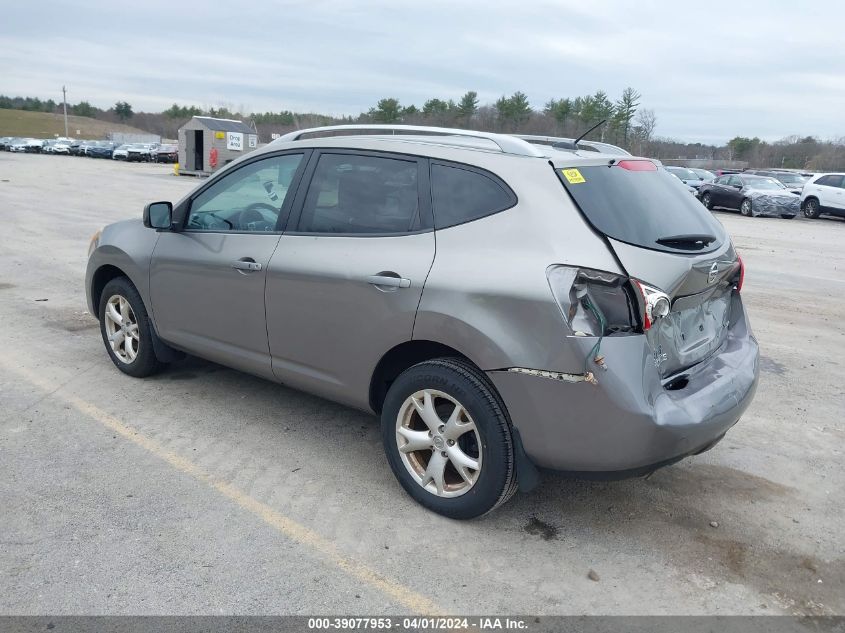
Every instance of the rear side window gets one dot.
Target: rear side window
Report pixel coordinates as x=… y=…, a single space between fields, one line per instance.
x=830 y=181
x=643 y=206
x=361 y=195
x=461 y=195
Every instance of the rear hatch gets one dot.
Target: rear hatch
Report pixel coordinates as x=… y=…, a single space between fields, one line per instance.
x=667 y=242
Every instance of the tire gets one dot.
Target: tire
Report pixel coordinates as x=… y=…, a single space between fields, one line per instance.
x=745 y=207
x=786 y=216
x=707 y=201
x=138 y=359
x=811 y=208
x=484 y=437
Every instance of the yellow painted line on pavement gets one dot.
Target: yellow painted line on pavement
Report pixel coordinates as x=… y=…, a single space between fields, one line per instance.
x=415 y=602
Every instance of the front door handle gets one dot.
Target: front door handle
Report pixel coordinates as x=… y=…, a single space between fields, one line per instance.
x=246 y=263
x=390 y=280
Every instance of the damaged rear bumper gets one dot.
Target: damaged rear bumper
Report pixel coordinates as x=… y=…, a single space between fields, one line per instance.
x=630 y=421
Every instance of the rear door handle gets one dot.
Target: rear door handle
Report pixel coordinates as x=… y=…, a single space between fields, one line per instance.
x=392 y=281
x=246 y=263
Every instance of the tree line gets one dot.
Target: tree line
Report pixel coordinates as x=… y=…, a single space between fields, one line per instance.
x=627 y=124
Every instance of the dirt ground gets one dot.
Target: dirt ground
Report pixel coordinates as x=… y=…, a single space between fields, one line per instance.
x=203 y=490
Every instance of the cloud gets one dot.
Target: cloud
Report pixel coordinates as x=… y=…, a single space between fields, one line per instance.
x=709 y=70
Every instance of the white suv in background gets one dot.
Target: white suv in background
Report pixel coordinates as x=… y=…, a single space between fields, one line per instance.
x=825 y=193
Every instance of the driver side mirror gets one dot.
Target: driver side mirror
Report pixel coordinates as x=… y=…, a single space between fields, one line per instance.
x=158 y=215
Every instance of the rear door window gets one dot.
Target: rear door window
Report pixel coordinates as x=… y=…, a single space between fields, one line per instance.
x=360 y=194
x=830 y=181
x=634 y=202
x=462 y=194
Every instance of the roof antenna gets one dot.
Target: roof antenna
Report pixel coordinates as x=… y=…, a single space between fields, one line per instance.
x=574 y=144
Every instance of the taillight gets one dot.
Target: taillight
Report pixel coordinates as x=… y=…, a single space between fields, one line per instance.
x=593 y=302
x=637 y=165
x=741 y=278
x=654 y=303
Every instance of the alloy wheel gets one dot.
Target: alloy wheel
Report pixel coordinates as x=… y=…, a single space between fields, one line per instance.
x=745 y=207
x=810 y=208
x=438 y=443
x=122 y=329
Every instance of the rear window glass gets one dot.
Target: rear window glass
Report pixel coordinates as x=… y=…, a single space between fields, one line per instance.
x=651 y=208
x=460 y=195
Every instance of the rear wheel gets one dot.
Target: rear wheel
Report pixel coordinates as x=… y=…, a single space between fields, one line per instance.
x=811 y=208
x=448 y=439
x=126 y=330
x=707 y=201
x=745 y=207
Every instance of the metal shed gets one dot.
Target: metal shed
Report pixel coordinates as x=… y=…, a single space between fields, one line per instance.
x=202 y=134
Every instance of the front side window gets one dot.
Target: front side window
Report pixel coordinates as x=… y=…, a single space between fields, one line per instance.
x=361 y=195
x=247 y=199
x=461 y=195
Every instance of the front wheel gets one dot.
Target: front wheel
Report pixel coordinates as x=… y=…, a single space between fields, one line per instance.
x=745 y=207
x=707 y=201
x=126 y=330
x=448 y=440
x=811 y=208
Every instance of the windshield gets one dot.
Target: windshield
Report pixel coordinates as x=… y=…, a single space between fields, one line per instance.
x=790 y=179
x=635 y=202
x=704 y=174
x=683 y=173
x=758 y=182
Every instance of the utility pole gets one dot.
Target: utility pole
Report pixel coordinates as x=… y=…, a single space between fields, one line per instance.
x=64 y=102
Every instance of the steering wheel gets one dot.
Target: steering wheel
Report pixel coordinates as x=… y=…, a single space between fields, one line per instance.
x=252 y=215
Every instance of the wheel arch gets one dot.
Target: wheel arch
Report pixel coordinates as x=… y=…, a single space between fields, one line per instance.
x=401 y=357
x=101 y=276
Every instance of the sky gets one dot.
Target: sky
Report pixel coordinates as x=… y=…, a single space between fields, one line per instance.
x=710 y=70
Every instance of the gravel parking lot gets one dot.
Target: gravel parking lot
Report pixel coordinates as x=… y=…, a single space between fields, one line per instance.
x=203 y=490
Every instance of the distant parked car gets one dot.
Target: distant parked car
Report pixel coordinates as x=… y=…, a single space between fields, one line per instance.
x=141 y=151
x=824 y=194
x=751 y=195
x=102 y=149
x=121 y=152
x=706 y=176
x=47 y=146
x=166 y=154
x=792 y=181
x=17 y=145
x=687 y=176
x=4 y=142
x=85 y=148
x=34 y=145
x=77 y=148
x=62 y=146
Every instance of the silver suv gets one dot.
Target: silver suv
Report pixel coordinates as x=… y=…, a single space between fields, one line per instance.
x=503 y=305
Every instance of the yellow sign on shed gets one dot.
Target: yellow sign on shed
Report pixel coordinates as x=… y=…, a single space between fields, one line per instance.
x=220 y=135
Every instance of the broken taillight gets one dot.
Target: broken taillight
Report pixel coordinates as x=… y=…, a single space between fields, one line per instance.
x=593 y=302
x=741 y=276
x=654 y=303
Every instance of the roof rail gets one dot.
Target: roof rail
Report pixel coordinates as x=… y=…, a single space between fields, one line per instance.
x=568 y=143
x=507 y=143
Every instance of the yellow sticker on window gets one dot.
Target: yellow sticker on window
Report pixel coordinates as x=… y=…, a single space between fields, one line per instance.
x=573 y=176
